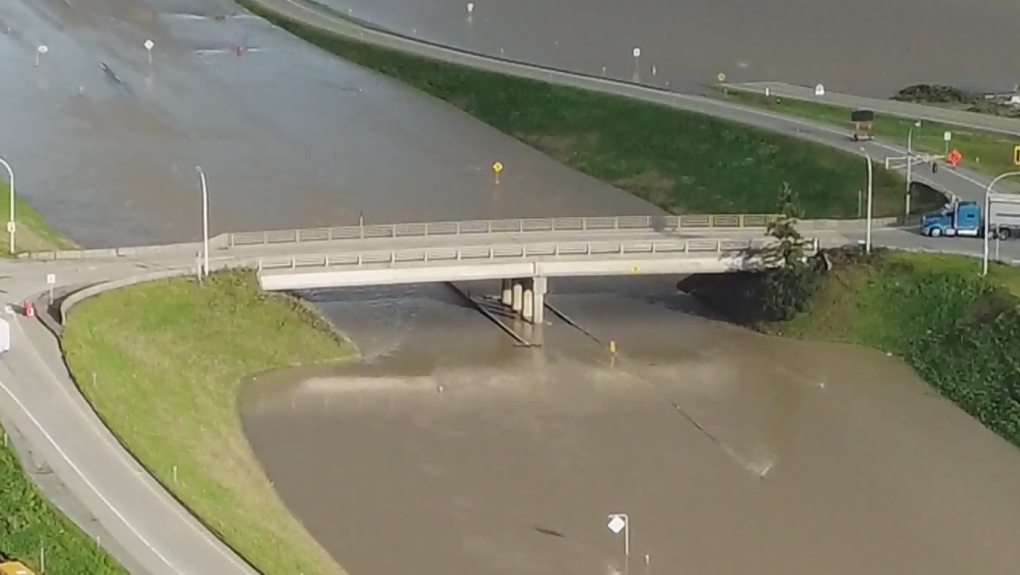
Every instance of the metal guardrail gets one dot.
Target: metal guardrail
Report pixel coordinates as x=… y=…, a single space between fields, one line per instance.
x=484 y=254
x=477 y=227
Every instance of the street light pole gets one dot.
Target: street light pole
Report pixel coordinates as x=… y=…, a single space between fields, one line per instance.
x=988 y=205
x=910 y=162
x=871 y=191
x=10 y=222
x=205 y=221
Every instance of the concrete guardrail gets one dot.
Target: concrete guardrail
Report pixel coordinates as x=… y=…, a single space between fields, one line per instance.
x=483 y=254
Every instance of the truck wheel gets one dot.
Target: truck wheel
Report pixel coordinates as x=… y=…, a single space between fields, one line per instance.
x=1004 y=233
x=935 y=232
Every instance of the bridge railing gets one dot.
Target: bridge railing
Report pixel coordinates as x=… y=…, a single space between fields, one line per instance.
x=485 y=254
x=522 y=225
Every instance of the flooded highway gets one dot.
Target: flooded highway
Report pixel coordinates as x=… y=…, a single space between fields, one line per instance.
x=106 y=145
x=449 y=450
x=865 y=47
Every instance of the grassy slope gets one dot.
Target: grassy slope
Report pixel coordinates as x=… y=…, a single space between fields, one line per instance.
x=960 y=332
x=684 y=162
x=28 y=522
x=169 y=357
x=33 y=233
x=986 y=152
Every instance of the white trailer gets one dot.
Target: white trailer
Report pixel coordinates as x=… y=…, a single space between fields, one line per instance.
x=1004 y=215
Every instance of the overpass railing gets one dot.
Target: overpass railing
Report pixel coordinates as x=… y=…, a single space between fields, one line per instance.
x=486 y=254
x=522 y=225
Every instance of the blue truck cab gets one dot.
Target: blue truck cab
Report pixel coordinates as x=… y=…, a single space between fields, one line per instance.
x=955 y=219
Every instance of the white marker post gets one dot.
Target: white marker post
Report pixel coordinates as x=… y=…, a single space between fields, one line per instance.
x=470 y=8
x=621 y=522
x=149 y=45
x=819 y=90
x=637 y=57
x=51 y=280
x=42 y=49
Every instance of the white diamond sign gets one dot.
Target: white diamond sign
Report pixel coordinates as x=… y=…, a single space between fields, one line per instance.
x=616 y=523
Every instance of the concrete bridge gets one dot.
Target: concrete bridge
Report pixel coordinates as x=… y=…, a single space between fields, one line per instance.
x=524 y=253
x=524 y=268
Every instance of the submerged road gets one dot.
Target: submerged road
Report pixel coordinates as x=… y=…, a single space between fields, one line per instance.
x=39 y=397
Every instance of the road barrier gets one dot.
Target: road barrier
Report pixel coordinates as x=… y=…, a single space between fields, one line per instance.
x=487 y=254
x=524 y=225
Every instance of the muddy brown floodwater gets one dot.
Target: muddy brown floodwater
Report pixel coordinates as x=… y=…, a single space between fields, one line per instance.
x=288 y=135
x=866 y=47
x=450 y=451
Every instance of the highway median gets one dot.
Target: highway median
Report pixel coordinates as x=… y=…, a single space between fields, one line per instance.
x=163 y=363
x=682 y=162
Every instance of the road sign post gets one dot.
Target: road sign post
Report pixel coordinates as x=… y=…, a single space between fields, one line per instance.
x=42 y=49
x=620 y=522
x=496 y=169
x=149 y=45
x=51 y=280
x=947 y=137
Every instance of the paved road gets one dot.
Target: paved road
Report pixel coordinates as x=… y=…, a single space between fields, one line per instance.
x=910 y=110
x=38 y=396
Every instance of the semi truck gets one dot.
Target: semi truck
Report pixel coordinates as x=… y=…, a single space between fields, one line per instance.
x=965 y=218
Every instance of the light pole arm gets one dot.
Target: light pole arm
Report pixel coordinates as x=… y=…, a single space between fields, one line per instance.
x=10 y=221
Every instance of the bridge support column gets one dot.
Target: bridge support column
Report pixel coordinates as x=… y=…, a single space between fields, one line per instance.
x=528 y=309
x=507 y=296
x=517 y=296
x=538 y=288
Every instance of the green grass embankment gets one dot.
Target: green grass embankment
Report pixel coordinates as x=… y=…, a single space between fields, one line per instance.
x=986 y=152
x=680 y=161
x=169 y=358
x=32 y=233
x=30 y=528
x=959 y=331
